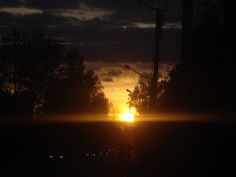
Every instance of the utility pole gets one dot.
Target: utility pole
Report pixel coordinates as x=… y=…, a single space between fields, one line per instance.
x=156 y=60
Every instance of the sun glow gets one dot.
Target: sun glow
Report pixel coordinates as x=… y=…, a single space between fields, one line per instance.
x=128 y=116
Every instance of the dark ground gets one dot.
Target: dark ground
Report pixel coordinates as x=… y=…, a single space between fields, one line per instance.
x=91 y=149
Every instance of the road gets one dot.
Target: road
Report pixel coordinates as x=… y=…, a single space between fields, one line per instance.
x=97 y=149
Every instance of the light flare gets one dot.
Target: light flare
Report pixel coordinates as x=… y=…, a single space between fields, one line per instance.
x=128 y=116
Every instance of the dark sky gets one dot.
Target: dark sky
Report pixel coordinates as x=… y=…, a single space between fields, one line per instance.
x=105 y=30
x=110 y=33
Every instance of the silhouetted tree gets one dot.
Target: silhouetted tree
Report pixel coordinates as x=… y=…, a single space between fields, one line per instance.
x=140 y=96
x=203 y=82
x=78 y=91
x=38 y=73
x=25 y=64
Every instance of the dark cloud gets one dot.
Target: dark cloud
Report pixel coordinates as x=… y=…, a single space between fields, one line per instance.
x=7 y=3
x=114 y=72
x=110 y=73
x=33 y=22
x=106 y=72
x=108 y=33
x=107 y=79
x=42 y=4
x=52 y=4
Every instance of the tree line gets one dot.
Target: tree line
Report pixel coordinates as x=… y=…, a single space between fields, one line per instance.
x=40 y=75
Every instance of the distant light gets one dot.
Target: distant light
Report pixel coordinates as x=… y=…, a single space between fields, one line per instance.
x=51 y=156
x=61 y=157
x=94 y=155
x=87 y=154
x=124 y=27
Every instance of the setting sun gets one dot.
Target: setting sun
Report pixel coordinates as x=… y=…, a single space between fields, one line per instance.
x=128 y=116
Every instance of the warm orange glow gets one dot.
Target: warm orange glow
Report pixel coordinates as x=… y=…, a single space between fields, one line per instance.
x=128 y=116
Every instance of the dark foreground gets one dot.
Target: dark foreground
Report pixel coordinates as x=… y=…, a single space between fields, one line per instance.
x=94 y=149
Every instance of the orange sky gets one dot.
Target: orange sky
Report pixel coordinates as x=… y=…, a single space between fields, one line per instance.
x=116 y=79
x=116 y=90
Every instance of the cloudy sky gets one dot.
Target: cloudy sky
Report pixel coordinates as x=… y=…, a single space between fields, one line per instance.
x=110 y=33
